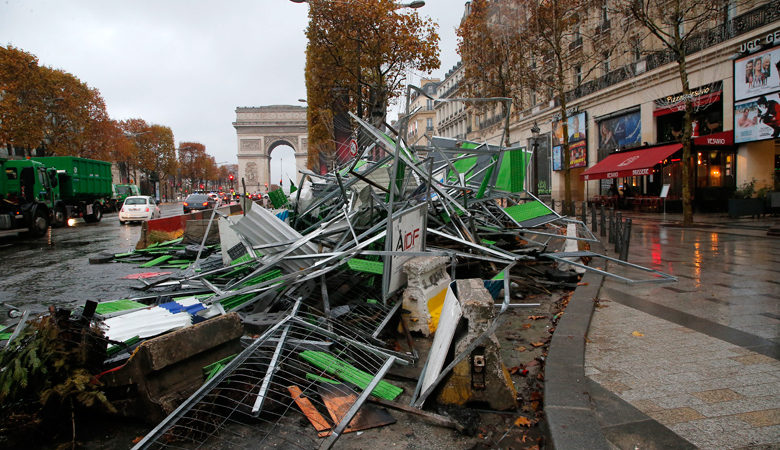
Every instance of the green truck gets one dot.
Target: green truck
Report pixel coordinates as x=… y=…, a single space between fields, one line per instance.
x=43 y=191
x=121 y=192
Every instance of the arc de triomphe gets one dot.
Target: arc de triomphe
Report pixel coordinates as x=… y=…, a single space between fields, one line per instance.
x=259 y=130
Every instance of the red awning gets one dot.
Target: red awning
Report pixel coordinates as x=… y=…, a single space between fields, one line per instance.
x=629 y=164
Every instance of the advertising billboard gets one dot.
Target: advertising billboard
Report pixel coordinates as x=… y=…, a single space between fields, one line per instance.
x=620 y=131
x=757 y=74
x=757 y=118
x=578 y=144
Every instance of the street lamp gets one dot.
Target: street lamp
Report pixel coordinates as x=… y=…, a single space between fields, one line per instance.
x=535 y=179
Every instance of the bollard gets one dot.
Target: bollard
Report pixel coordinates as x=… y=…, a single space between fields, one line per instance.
x=611 y=225
x=48 y=232
x=593 y=225
x=603 y=221
x=585 y=212
x=552 y=204
x=618 y=232
x=574 y=209
x=626 y=241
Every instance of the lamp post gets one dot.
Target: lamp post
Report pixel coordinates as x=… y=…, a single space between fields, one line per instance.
x=535 y=143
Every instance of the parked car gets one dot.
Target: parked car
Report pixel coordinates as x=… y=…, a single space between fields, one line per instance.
x=197 y=202
x=138 y=208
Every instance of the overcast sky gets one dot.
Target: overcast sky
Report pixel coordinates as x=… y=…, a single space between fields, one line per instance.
x=184 y=64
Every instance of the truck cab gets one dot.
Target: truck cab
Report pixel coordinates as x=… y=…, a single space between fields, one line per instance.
x=28 y=190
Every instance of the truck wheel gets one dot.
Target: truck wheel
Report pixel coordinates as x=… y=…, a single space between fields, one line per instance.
x=39 y=224
x=97 y=214
x=60 y=217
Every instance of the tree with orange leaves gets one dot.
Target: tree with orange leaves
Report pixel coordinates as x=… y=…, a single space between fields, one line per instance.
x=48 y=111
x=493 y=54
x=356 y=59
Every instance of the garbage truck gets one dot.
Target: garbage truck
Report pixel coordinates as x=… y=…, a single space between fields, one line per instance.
x=121 y=192
x=43 y=191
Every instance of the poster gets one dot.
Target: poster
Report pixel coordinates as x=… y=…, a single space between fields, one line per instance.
x=557 y=161
x=757 y=119
x=576 y=128
x=578 y=155
x=621 y=131
x=757 y=74
x=578 y=144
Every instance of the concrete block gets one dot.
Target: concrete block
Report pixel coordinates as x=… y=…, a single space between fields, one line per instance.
x=482 y=378
x=166 y=370
x=427 y=281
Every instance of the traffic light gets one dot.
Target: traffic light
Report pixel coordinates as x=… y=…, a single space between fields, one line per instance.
x=231 y=177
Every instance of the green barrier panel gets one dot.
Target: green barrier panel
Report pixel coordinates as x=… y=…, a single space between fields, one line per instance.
x=156 y=261
x=277 y=197
x=116 y=348
x=117 y=305
x=362 y=265
x=312 y=377
x=349 y=373
x=527 y=211
x=511 y=173
x=216 y=367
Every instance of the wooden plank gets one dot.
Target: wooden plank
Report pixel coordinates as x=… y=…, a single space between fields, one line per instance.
x=311 y=413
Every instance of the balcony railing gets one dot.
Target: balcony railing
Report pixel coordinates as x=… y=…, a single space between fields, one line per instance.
x=756 y=18
x=490 y=122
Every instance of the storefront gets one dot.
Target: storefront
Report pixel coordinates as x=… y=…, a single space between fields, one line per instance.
x=634 y=179
x=715 y=174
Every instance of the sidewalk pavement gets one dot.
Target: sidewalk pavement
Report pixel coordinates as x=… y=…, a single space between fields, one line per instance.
x=675 y=365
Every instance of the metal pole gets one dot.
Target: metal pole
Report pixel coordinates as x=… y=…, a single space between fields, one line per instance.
x=611 y=230
x=626 y=240
x=603 y=221
x=584 y=212
x=593 y=225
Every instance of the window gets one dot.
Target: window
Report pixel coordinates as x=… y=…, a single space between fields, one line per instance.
x=605 y=55
x=605 y=13
x=681 y=26
x=533 y=97
x=429 y=104
x=429 y=124
x=577 y=74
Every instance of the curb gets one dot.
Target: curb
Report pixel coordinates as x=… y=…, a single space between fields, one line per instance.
x=571 y=421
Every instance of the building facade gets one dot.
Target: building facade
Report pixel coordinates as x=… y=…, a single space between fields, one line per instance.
x=423 y=122
x=451 y=116
x=633 y=102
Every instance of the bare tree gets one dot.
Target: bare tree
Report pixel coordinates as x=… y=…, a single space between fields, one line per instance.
x=674 y=23
x=571 y=42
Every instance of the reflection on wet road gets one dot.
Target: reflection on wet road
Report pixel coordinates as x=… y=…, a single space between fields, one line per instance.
x=727 y=275
x=36 y=275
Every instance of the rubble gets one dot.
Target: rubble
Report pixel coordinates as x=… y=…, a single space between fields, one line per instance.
x=264 y=317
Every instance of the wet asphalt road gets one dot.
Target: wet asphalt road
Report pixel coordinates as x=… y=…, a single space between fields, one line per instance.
x=36 y=275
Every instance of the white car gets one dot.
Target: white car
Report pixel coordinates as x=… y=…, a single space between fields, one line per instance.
x=138 y=208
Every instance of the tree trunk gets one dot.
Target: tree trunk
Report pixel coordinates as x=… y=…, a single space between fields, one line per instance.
x=687 y=204
x=565 y=146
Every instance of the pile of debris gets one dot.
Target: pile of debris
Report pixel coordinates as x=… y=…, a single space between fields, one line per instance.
x=384 y=283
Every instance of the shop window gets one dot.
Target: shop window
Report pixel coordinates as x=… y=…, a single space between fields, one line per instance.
x=11 y=173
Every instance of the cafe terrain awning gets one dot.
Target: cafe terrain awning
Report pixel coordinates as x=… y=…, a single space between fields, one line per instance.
x=629 y=164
